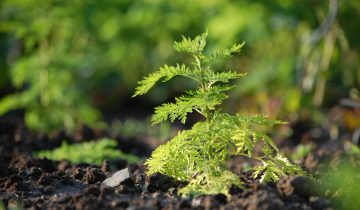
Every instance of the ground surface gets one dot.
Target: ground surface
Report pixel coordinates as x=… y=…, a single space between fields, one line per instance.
x=44 y=184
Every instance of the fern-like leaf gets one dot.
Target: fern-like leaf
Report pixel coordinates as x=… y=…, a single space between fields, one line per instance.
x=166 y=73
x=276 y=167
x=223 y=77
x=258 y=120
x=243 y=142
x=207 y=183
x=225 y=53
x=287 y=167
x=194 y=100
x=269 y=146
x=193 y=46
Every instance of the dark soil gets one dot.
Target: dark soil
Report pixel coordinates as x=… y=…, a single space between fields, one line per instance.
x=32 y=183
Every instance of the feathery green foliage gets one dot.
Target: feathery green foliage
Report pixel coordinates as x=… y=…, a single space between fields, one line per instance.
x=198 y=155
x=94 y=152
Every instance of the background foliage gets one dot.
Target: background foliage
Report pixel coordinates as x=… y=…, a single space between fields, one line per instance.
x=93 y=152
x=66 y=60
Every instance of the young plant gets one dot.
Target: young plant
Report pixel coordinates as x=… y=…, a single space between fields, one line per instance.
x=93 y=152
x=198 y=155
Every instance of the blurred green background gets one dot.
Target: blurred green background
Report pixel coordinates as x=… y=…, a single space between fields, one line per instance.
x=71 y=62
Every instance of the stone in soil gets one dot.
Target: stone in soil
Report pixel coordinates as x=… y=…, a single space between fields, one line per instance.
x=117 y=178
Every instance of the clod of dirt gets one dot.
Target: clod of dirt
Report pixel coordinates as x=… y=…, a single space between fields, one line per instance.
x=160 y=182
x=13 y=183
x=106 y=192
x=84 y=132
x=4 y=171
x=184 y=204
x=22 y=162
x=67 y=180
x=45 y=179
x=209 y=201
x=105 y=167
x=34 y=173
x=298 y=206
x=79 y=173
x=117 y=178
x=264 y=200
x=119 y=163
x=92 y=190
x=48 y=189
x=127 y=187
x=94 y=175
x=63 y=165
x=319 y=203
x=119 y=205
x=299 y=185
x=87 y=202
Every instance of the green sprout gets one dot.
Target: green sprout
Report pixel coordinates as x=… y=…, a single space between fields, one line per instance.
x=94 y=152
x=198 y=155
x=301 y=151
